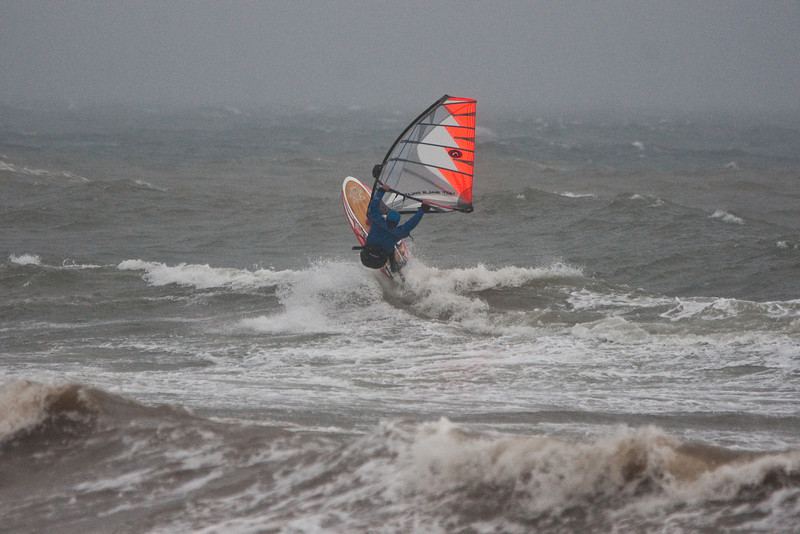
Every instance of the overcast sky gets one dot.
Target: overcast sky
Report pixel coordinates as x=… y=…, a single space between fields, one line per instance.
x=557 y=55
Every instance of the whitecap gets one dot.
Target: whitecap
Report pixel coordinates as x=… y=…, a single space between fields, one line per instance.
x=204 y=276
x=308 y=319
x=569 y=194
x=445 y=293
x=40 y=173
x=25 y=259
x=611 y=329
x=148 y=185
x=727 y=217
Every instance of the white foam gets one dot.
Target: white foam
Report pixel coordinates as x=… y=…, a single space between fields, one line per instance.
x=611 y=329
x=21 y=406
x=25 y=259
x=298 y=320
x=315 y=298
x=34 y=259
x=638 y=145
x=148 y=185
x=569 y=194
x=549 y=475
x=724 y=308
x=585 y=299
x=655 y=201
x=205 y=276
x=70 y=264
x=481 y=277
x=40 y=173
x=25 y=404
x=444 y=293
x=727 y=217
x=122 y=481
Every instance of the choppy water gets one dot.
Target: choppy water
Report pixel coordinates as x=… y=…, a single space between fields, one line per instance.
x=611 y=341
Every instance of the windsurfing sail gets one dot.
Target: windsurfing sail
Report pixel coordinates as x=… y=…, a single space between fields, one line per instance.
x=433 y=160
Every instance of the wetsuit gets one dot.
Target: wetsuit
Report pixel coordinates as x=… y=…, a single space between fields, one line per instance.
x=383 y=235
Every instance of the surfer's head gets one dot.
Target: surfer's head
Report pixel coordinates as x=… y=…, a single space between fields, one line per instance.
x=392 y=218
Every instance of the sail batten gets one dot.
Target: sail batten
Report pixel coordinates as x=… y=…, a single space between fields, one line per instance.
x=433 y=144
x=431 y=165
x=433 y=160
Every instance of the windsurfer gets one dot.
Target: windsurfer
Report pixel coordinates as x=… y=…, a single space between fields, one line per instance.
x=385 y=233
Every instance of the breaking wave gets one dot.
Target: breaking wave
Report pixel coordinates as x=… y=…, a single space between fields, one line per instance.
x=569 y=194
x=399 y=475
x=205 y=276
x=35 y=259
x=450 y=293
x=28 y=171
x=25 y=259
x=727 y=217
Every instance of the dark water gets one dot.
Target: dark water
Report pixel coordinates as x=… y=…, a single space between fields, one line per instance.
x=610 y=342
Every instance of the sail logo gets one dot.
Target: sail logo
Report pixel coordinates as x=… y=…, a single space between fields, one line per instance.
x=454 y=153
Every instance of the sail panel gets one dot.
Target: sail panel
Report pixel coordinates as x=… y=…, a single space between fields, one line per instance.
x=433 y=159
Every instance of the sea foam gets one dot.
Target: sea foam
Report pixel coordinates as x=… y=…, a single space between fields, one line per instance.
x=727 y=217
x=25 y=259
x=205 y=276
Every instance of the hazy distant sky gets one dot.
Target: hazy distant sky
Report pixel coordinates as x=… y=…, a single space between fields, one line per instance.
x=561 y=55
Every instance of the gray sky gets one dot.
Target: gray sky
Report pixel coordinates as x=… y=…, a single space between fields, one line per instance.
x=547 y=55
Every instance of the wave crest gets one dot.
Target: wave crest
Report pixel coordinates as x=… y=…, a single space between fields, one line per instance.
x=204 y=276
x=26 y=407
x=727 y=217
x=445 y=293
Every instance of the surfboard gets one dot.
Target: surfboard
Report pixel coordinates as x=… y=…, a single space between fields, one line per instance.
x=355 y=200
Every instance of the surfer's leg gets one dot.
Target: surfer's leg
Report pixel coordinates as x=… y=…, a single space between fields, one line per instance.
x=393 y=264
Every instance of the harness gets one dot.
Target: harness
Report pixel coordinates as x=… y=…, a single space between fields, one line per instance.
x=372 y=256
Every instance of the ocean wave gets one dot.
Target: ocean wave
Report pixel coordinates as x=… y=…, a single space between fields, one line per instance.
x=34 y=408
x=569 y=194
x=40 y=173
x=585 y=299
x=205 y=276
x=528 y=478
x=316 y=300
x=25 y=259
x=439 y=476
x=432 y=475
x=481 y=277
x=447 y=293
x=612 y=329
x=147 y=185
x=26 y=406
x=36 y=260
x=712 y=309
x=726 y=217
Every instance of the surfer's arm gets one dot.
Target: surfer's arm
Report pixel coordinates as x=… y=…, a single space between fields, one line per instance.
x=412 y=223
x=374 y=209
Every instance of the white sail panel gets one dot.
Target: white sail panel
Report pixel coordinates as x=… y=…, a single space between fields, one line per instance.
x=433 y=159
